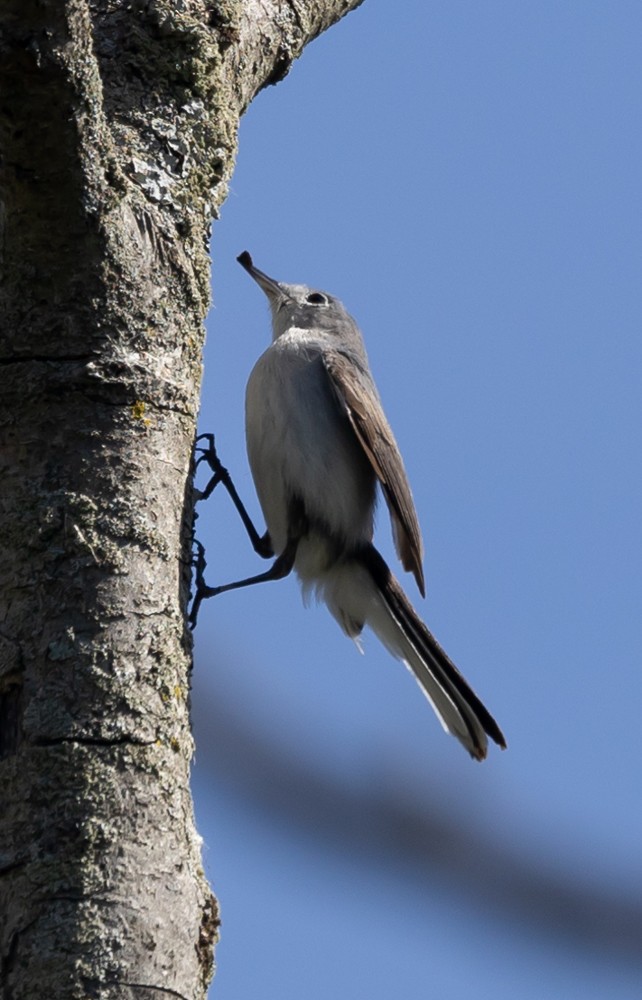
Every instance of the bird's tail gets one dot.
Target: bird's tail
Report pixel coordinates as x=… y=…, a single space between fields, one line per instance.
x=362 y=591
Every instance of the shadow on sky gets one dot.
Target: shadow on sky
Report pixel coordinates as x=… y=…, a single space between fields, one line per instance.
x=394 y=826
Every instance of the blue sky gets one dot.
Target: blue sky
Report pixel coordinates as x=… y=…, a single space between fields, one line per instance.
x=466 y=178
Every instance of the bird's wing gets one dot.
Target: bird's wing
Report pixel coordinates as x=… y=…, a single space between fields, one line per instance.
x=365 y=413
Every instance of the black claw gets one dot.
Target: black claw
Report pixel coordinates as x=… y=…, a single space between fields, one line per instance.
x=199 y=563
x=260 y=543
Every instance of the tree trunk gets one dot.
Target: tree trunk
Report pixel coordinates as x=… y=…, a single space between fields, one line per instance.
x=118 y=130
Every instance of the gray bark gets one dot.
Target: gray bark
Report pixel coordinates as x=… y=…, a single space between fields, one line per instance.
x=118 y=127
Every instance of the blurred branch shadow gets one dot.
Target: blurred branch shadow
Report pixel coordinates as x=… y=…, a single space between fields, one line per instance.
x=393 y=826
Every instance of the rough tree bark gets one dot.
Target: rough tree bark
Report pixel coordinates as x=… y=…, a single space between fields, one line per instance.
x=118 y=127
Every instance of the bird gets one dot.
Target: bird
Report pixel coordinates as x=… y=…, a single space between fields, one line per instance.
x=319 y=448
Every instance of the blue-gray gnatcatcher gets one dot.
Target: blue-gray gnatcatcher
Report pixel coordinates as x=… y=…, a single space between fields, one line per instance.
x=318 y=443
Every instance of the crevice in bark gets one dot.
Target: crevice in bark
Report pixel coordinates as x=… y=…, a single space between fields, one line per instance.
x=95 y=741
x=11 y=710
x=23 y=359
x=161 y=991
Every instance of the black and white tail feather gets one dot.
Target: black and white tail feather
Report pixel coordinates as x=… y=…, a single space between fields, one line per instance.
x=363 y=591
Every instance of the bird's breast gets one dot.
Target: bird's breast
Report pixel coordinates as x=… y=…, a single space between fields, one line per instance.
x=300 y=445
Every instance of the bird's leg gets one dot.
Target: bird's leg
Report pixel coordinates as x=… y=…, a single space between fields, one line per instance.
x=260 y=543
x=281 y=566
x=283 y=563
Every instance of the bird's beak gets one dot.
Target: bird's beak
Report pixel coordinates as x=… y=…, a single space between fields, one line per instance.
x=274 y=291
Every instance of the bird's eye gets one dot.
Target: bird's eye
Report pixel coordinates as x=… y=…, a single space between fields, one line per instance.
x=316 y=298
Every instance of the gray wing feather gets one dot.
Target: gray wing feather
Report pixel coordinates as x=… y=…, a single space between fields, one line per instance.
x=365 y=413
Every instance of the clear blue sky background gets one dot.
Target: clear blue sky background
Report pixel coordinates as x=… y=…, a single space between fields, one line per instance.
x=467 y=178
